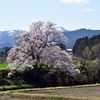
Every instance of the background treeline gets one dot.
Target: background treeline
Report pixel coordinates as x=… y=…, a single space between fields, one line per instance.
x=87 y=47
x=86 y=53
x=3 y=53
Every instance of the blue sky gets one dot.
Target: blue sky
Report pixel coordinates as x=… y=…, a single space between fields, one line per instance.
x=70 y=14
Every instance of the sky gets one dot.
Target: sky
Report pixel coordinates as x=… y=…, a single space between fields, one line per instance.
x=70 y=14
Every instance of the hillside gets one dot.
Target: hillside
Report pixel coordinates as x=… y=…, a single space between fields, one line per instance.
x=74 y=35
x=7 y=37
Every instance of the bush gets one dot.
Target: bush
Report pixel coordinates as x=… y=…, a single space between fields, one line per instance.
x=90 y=72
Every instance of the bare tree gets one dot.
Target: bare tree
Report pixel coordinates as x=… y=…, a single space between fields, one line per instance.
x=38 y=47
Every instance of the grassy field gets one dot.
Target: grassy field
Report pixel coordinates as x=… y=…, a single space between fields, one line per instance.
x=15 y=87
x=3 y=66
x=84 y=92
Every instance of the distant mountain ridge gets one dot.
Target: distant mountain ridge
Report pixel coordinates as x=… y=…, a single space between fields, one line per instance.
x=63 y=30
x=80 y=33
x=6 y=37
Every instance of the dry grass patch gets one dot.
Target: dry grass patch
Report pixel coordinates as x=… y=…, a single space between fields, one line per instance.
x=84 y=92
x=77 y=92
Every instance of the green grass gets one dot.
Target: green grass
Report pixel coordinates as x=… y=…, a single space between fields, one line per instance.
x=3 y=66
x=14 y=87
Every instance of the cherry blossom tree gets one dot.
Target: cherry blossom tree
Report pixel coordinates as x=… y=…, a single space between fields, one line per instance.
x=38 y=47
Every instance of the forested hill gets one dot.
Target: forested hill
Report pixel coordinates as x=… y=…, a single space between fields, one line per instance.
x=74 y=35
x=91 y=45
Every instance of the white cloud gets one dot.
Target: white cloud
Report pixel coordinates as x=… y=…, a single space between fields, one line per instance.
x=75 y=1
x=87 y=10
